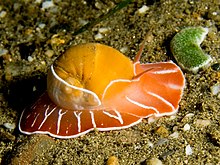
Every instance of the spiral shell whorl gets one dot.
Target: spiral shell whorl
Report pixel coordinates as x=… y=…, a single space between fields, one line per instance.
x=69 y=95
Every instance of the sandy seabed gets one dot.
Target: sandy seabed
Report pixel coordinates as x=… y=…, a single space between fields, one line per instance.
x=34 y=35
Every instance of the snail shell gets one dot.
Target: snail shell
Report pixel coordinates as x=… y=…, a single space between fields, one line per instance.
x=79 y=77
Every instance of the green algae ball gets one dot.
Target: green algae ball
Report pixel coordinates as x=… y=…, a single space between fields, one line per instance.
x=186 y=49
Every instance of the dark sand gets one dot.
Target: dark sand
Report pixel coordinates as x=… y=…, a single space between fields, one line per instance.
x=32 y=38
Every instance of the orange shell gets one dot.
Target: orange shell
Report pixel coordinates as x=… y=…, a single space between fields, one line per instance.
x=90 y=66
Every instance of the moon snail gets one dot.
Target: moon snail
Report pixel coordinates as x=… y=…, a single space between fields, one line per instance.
x=93 y=86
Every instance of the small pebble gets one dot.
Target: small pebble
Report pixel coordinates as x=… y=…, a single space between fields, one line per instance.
x=154 y=161
x=98 y=36
x=49 y=53
x=103 y=30
x=112 y=160
x=149 y=36
x=162 y=131
x=3 y=51
x=151 y=119
x=186 y=49
x=82 y=21
x=172 y=117
x=143 y=9
x=190 y=115
x=34 y=88
x=17 y=6
x=202 y=123
x=175 y=128
x=30 y=59
x=3 y=14
x=215 y=89
x=174 y=135
x=162 y=141
x=41 y=25
x=124 y=49
x=47 y=4
x=188 y=150
x=10 y=126
x=187 y=117
x=214 y=13
x=167 y=153
x=98 y=5
x=43 y=62
x=150 y=144
x=186 y=127
x=55 y=40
